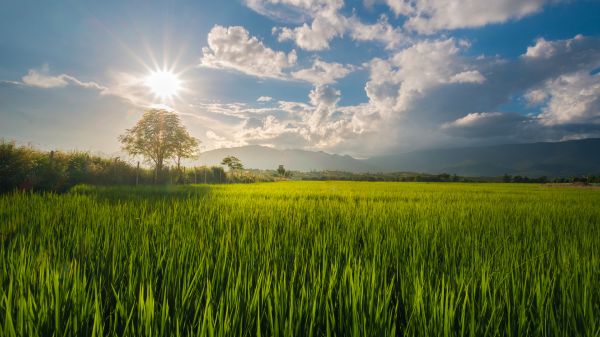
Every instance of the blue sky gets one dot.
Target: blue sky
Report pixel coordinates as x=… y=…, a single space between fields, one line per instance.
x=354 y=77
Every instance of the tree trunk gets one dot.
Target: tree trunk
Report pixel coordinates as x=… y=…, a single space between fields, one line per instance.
x=158 y=169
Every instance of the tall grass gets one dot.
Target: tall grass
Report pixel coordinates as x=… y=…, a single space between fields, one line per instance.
x=302 y=259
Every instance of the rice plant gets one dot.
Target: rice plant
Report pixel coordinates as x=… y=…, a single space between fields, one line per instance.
x=302 y=259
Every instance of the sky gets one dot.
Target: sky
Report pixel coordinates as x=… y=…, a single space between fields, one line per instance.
x=364 y=77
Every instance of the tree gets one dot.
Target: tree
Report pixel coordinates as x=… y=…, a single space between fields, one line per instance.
x=187 y=147
x=159 y=136
x=281 y=170
x=233 y=163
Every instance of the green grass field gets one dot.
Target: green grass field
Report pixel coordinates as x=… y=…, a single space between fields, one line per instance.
x=302 y=259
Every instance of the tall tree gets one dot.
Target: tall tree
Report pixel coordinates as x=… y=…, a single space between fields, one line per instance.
x=158 y=136
x=281 y=170
x=187 y=147
x=233 y=163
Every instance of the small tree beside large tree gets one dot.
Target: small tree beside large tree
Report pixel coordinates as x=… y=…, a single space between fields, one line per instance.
x=159 y=136
x=233 y=163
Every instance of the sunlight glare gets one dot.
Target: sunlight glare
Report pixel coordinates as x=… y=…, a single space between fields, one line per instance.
x=164 y=84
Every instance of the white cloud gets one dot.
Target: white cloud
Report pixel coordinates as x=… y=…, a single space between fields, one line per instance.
x=471 y=76
x=322 y=124
x=323 y=72
x=430 y=16
x=410 y=73
x=543 y=49
x=421 y=91
x=570 y=98
x=210 y=134
x=42 y=79
x=327 y=23
x=36 y=79
x=323 y=95
x=264 y=99
x=432 y=93
x=485 y=124
x=130 y=88
x=234 y=48
x=381 y=31
x=536 y=96
x=292 y=10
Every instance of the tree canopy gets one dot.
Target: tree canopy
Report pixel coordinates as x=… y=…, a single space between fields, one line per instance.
x=233 y=163
x=159 y=136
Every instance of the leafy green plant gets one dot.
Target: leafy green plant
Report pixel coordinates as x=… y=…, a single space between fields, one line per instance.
x=302 y=259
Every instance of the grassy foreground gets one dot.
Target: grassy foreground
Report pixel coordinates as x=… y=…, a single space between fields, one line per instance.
x=302 y=259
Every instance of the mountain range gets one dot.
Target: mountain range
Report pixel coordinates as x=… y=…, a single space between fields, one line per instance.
x=552 y=159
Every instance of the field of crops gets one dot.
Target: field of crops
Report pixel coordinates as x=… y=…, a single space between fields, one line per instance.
x=302 y=259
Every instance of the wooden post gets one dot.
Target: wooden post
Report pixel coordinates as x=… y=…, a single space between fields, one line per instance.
x=195 y=175
x=116 y=161
x=137 y=174
x=205 y=169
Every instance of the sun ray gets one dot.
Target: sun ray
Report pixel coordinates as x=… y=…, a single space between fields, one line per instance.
x=164 y=84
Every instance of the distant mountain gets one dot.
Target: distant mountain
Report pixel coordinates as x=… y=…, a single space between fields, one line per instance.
x=266 y=158
x=576 y=157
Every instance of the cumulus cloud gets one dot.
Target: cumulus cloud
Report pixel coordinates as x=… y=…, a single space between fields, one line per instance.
x=292 y=10
x=323 y=72
x=421 y=16
x=409 y=74
x=544 y=49
x=432 y=93
x=569 y=99
x=434 y=88
x=424 y=95
x=381 y=31
x=234 y=48
x=536 y=96
x=321 y=124
x=264 y=99
x=321 y=22
x=327 y=25
x=471 y=76
x=323 y=95
x=430 y=16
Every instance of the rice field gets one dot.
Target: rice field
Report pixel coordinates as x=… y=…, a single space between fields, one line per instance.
x=302 y=259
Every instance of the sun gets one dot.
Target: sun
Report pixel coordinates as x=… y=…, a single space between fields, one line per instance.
x=163 y=84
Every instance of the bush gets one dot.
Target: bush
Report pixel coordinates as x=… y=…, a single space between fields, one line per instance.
x=25 y=168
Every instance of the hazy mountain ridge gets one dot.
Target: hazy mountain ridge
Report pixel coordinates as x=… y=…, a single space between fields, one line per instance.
x=266 y=158
x=576 y=157
x=566 y=158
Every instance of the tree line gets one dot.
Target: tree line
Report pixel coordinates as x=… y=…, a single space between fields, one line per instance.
x=159 y=139
x=26 y=168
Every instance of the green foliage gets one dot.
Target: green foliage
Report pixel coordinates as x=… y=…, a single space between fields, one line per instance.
x=159 y=136
x=25 y=168
x=281 y=170
x=233 y=163
x=302 y=259
x=16 y=163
